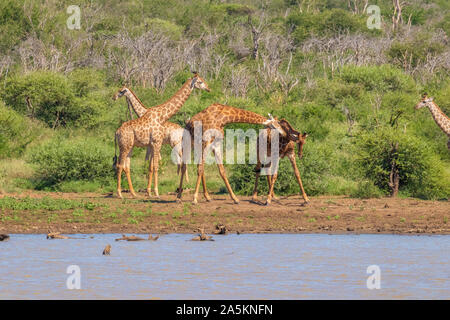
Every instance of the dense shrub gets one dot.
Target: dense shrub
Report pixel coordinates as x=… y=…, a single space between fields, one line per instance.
x=55 y=99
x=65 y=160
x=330 y=22
x=420 y=173
x=378 y=78
x=16 y=132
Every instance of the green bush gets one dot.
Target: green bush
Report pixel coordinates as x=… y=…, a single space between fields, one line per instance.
x=378 y=78
x=69 y=160
x=421 y=174
x=55 y=99
x=16 y=132
x=329 y=22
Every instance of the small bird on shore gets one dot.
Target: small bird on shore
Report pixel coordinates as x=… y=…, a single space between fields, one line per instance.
x=4 y=237
x=107 y=250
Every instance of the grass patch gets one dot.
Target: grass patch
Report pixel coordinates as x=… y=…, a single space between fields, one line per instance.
x=45 y=203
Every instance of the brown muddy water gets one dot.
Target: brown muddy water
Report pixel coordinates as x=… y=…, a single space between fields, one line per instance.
x=246 y=266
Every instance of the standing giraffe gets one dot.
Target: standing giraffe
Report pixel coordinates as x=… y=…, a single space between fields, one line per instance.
x=215 y=117
x=286 y=147
x=173 y=133
x=148 y=130
x=439 y=116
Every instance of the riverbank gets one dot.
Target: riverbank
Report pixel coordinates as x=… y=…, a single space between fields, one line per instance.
x=42 y=212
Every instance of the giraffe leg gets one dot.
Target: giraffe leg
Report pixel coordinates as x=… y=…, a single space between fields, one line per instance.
x=119 y=178
x=200 y=172
x=255 y=189
x=205 y=191
x=179 y=161
x=269 y=181
x=227 y=184
x=156 y=157
x=271 y=185
x=180 y=187
x=128 y=173
x=150 y=176
x=297 y=176
x=217 y=149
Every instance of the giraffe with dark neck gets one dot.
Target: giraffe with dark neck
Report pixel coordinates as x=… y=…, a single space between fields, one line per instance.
x=438 y=115
x=286 y=148
x=173 y=134
x=215 y=117
x=148 y=130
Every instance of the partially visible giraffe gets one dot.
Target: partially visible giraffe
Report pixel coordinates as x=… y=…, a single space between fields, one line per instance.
x=148 y=130
x=215 y=117
x=439 y=116
x=173 y=133
x=286 y=146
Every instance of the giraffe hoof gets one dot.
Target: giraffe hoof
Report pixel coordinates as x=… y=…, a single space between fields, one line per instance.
x=267 y=203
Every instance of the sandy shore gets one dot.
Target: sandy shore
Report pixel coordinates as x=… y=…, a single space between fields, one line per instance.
x=103 y=213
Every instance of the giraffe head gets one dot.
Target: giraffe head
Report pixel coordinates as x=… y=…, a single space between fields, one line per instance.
x=424 y=101
x=274 y=124
x=294 y=135
x=199 y=83
x=120 y=93
x=300 y=143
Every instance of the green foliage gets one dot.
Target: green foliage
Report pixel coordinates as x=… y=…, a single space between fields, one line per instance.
x=13 y=24
x=329 y=22
x=16 y=132
x=55 y=99
x=420 y=172
x=377 y=78
x=68 y=160
x=45 y=203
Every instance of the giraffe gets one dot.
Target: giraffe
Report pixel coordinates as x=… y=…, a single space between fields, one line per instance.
x=148 y=131
x=438 y=115
x=173 y=133
x=286 y=147
x=215 y=117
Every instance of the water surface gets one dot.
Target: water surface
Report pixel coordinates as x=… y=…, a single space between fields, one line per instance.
x=246 y=266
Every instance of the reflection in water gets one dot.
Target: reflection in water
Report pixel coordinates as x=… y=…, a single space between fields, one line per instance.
x=270 y=266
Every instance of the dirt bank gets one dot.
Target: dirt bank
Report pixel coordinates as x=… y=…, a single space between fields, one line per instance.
x=102 y=213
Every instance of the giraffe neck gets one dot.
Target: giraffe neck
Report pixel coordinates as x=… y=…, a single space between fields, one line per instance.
x=170 y=107
x=440 y=118
x=235 y=115
x=135 y=103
